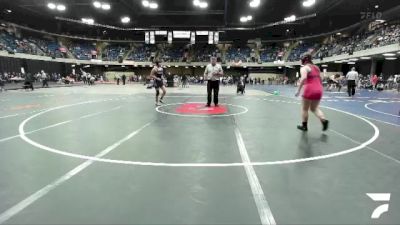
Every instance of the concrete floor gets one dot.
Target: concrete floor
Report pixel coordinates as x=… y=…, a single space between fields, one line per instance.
x=104 y=155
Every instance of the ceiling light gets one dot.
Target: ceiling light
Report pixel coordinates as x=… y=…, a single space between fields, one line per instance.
x=366 y=57
x=61 y=7
x=376 y=6
x=380 y=21
x=354 y=59
x=308 y=3
x=203 y=5
x=338 y=61
x=106 y=6
x=196 y=2
x=125 y=19
x=51 y=5
x=324 y=65
x=389 y=54
x=338 y=33
x=287 y=30
x=145 y=3
x=97 y=4
x=8 y=11
x=291 y=18
x=153 y=5
x=89 y=21
x=249 y=17
x=351 y=63
x=254 y=3
x=243 y=19
x=391 y=58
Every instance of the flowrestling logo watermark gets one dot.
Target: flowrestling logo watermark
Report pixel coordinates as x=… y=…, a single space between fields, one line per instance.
x=371 y=15
x=383 y=198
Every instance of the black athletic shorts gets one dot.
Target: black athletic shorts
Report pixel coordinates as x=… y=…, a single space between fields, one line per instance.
x=158 y=84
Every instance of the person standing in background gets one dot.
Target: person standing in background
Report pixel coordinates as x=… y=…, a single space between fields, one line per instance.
x=352 y=79
x=44 y=79
x=397 y=82
x=118 y=78
x=212 y=74
x=374 y=81
x=123 y=79
x=2 y=82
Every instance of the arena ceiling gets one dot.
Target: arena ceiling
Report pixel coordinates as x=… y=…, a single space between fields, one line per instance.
x=223 y=15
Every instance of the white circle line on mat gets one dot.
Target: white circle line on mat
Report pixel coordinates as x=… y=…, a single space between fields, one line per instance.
x=22 y=133
x=374 y=110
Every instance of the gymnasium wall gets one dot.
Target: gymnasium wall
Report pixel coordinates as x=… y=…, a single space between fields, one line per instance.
x=33 y=66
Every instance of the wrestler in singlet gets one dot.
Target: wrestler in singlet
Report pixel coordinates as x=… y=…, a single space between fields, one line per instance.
x=157 y=74
x=313 y=89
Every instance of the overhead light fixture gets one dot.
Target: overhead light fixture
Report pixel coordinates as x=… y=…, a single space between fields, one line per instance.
x=51 y=5
x=338 y=34
x=203 y=5
x=97 y=4
x=351 y=63
x=153 y=5
x=308 y=3
x=389 y=54
x=354 y=59
x=125 y=19
x=324 y=65
x=106 y=6
x=376 y=6
x=338 y=61
x=148 y=4
x=291 y=18
x=391 y=58
x=365 y=57
x=145 y=3
x=245 y=19
x=61 y=7
x=9 y=11
x=254 y=3
x=89 y=21
x=200 y=4
x=380 y=21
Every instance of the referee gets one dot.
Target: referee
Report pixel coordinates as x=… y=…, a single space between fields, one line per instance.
x=212 y=74
x=352 y=78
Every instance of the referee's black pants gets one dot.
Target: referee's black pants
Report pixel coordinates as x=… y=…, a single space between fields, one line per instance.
x=351 y=87
x=212 y=85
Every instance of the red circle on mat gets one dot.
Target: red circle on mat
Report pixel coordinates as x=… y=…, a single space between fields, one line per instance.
x=201 y=109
